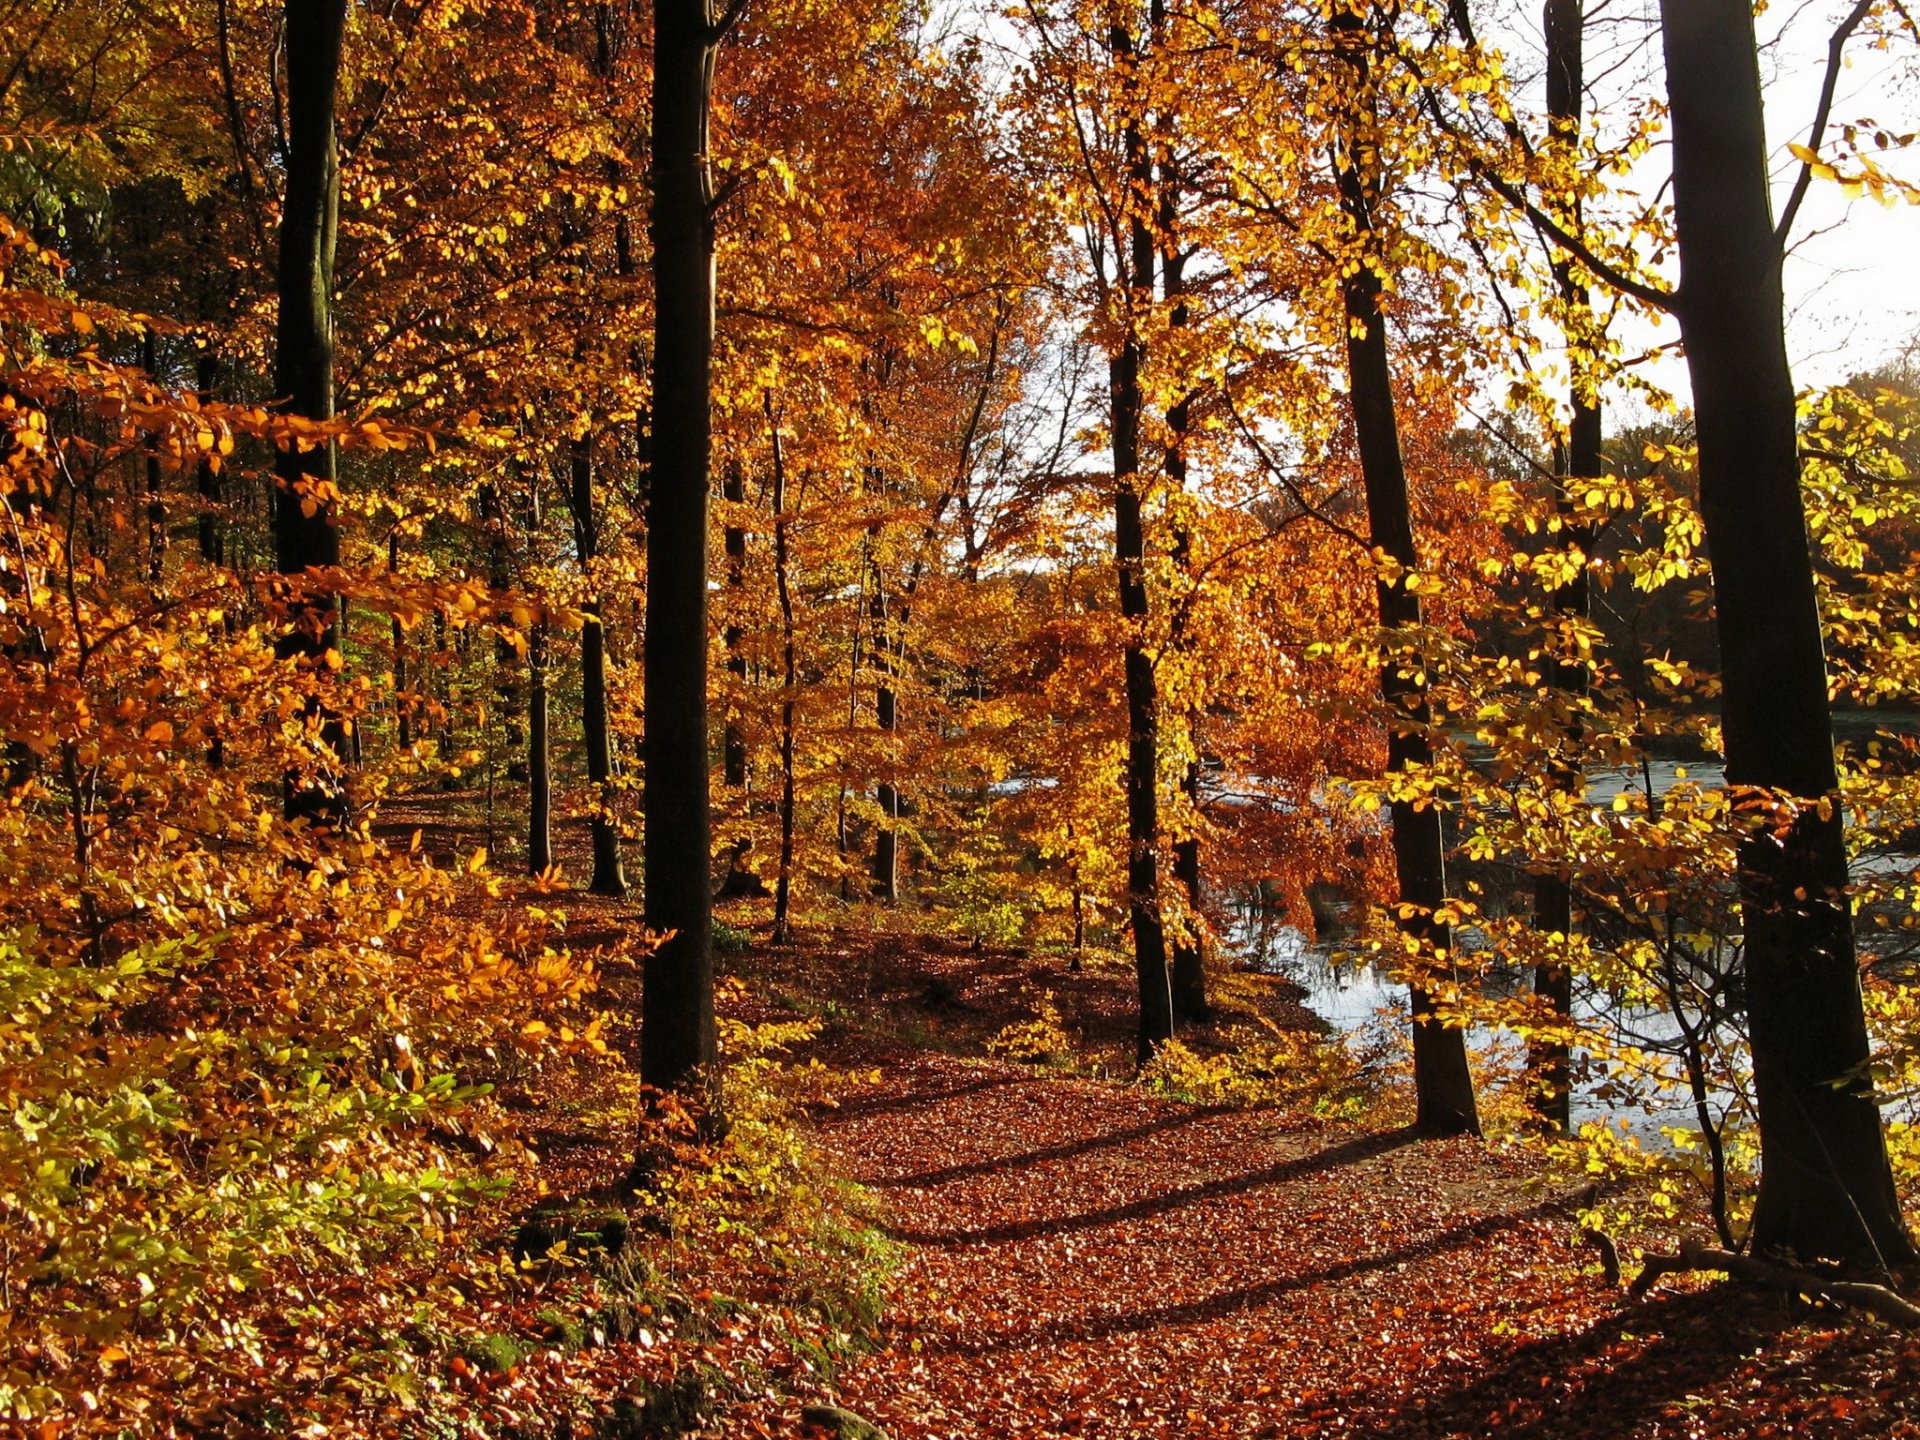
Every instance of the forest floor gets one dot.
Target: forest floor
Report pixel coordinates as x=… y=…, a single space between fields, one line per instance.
x=1086 y=1259
x=1077 y=1256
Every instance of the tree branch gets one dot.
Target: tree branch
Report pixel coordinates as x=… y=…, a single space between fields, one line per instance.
x=1836 y=48
x=1876 y=1300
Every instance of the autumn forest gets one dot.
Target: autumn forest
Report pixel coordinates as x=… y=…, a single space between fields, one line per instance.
x=1092 y=718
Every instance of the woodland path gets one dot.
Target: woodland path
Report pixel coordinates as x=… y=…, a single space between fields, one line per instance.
x=1087 y=1260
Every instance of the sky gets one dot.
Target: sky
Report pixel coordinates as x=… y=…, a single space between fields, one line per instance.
x=1852 y=274
x=1853 y=277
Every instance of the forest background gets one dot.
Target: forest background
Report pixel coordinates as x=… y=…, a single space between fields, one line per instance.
x=1106 y=481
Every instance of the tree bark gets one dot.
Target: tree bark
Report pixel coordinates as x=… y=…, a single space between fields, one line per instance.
x=886 y=714
x=609 y=873
x=156 y=494
x=305 y=536
x=734 y=758
x=1578 y=457
x=678 y=1048
x=402 y=702
x=1189 y=973
x=1130 y=562
x=789 y=684
x=1443 y=1083
x=539 y=751
x=1826 y=1189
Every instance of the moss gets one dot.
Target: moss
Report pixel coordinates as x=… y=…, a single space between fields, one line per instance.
x=497 y=1354
x=564 y=1332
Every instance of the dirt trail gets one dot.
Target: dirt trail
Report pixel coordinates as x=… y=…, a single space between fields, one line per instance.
x=1088 y=1260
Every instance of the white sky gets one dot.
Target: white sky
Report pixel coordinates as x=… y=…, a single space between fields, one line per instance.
x=1853 y=276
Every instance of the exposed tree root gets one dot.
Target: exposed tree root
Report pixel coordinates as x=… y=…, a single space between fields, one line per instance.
x=1694 y=1255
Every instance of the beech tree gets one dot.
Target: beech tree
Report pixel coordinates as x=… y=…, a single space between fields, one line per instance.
x=1826 y=1188
x=677 y=1035
x=304 y=526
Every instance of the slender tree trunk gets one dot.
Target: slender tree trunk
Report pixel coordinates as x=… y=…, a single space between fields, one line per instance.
x=1130 y=563
x=156 y=495
x=733 y=489
x=1826 y=1189
x=678 y=1047
x=539 y=759
x=507 y=691
x=1578 y=458
x=789 y=682
x=609 y=874
x=305 y=536
x=207 y=479
x=1189 y=974
x=209 y=530
x=1443 y=1084
x=539 y=751
x=402 y=701
x=886 y=714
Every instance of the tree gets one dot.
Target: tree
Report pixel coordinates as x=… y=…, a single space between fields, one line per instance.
x=305 y=533
x=677 y=1034
x=1826 y=1188
x=1578 y=456
x=1442 y=1081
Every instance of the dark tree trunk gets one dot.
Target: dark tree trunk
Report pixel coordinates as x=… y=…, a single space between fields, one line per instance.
x=609 y=874
x=1130 y=562
x=733 y=489
x=539 y=760
x=507 y=693
x=402 y=701
x=209 y=529
x=1826 y=1189
x=305 y=536
x=789 y=683
x=539 y=751
x=1443 y=1084
x=1578 y=458
x=207 y=480
x=156 y=494
x=677 y=1035
x=886 y=714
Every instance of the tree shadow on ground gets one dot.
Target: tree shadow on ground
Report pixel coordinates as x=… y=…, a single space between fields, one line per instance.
x=1228 y=1303
x=1000 y=1165
x=860 y=1107
x=1727 y=1361
x=1347 y=1152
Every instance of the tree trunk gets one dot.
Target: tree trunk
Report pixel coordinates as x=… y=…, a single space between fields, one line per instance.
x=678 y=1048
x=789 y=682
x=156 y=494
x=207 y=474
x=1189 y=976
x=539 y=760
x=1130 y=563
x=539 y=751
x=305 y=536
x=1826 y=1189
x=886 y=713
x=609 y=874
x=402 y=702
x=1578 y=458
x=1443 y=1084
x=733 y=489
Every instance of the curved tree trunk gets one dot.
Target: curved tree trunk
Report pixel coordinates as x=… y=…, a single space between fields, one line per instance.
x=1826 y=1189
x=1443 y=1083
x=678 y=1047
